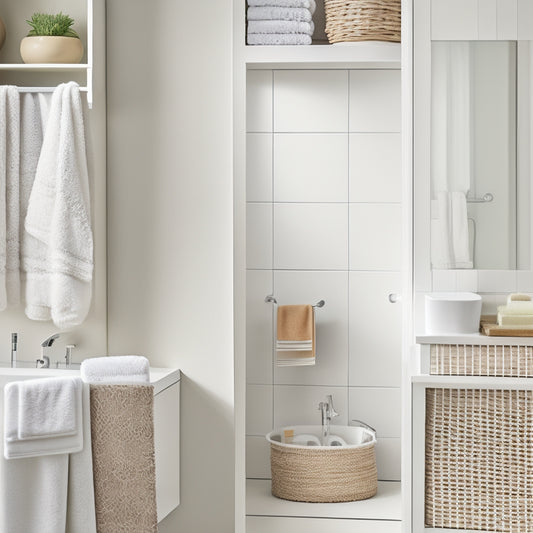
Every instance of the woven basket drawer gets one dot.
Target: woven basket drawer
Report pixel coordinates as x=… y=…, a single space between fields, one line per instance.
x=479 y=460
x=467 y=360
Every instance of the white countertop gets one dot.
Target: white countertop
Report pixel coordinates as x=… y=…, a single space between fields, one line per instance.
x=386 y=505
x=160 y=378
x=476 y=339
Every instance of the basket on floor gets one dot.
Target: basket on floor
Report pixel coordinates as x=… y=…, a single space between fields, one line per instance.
x=363 y=20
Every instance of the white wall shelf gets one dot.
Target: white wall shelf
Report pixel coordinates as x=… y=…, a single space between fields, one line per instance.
x=386 y=505
x=368 y=54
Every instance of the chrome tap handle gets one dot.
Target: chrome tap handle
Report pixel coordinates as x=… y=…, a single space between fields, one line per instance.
x=331 y=409
x=50 y=340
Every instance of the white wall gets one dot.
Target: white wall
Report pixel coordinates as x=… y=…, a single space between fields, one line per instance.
x=170 y=235
x=324 y=222
x=91 y=337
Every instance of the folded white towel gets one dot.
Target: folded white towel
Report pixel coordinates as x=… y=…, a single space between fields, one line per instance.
x=48 y=444
x=47 y=407
x=309 y=4
x=9 y=196
x=59 y=216
x=280 y=13
x=124 y=369
x=280 y=26
x=278 y=39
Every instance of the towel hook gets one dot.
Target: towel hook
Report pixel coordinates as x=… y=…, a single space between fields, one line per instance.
x=269 y=299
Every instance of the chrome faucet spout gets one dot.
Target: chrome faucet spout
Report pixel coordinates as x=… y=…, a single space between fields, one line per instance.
x=328 y=412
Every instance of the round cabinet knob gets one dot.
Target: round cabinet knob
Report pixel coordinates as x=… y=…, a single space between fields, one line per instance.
x=394 y=298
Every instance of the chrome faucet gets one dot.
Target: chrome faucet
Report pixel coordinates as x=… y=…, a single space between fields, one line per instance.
x=44 y=361
x=328 y=412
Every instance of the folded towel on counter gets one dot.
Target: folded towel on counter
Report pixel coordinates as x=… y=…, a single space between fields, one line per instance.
x=280 y=13
x=308 y=4
x=59 y=216
x=9 y=196
x=124 y=475
x=122 y=369
x=518 y=297
x=280 y=26
x=517 y=308
x=279 y=39
x=54 y=434
x=295 y=335
x=525 y=321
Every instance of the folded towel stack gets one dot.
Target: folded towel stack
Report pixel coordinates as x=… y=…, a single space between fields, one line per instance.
x=518 y=313
x=295 y=342
x=287 y=22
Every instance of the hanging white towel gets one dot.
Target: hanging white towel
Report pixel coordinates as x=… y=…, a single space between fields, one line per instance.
x=279 y=13
x=308 y=4
x=9 y=196
x=59 y=216
x=450 y=245
x=123 y=369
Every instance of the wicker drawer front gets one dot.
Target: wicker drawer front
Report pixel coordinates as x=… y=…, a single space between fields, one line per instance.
x=465 y=360
x=479 y=460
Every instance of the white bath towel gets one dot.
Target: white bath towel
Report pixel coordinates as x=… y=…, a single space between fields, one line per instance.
x=9 y=196
x=280 y=26
x=280 y=13
x=59 y=216
x=308 y=4
x=278 y=39
x=123 y=369
x=34 y=108
x=50 y=493
x=16 y=446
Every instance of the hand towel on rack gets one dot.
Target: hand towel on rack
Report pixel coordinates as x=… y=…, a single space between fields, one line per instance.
x=59 y=216
x=280 y=13
x=308 y=4
x=295 y=337
x=280 y=26
x=9 y=196
x=43 y=417
x=119 y=369
x=290 y=39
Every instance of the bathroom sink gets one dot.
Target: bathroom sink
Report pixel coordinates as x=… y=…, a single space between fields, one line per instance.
x=311 y=436
x=452 y=313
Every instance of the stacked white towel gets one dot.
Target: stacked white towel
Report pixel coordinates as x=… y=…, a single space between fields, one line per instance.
x=120 y=369
x=287 y=22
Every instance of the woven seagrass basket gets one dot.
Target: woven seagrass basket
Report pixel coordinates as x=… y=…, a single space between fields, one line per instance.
x=363 y=20
x=324 y=474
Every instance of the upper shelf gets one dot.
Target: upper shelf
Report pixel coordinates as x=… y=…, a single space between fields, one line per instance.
x=38 y=67
x=370 y=54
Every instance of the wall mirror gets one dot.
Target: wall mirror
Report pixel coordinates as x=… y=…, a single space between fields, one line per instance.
x=480 y=154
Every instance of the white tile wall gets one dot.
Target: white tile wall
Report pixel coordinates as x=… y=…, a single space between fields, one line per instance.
x=311 y=167
x=324 y=219
x=258 y=327
x=381 y=405
x=259 y=101
x=375 y=101
x=375 y=237
x=259 y=409
x=259 y=235
x=259 y=167
x=331 y=325
x=375 y=167
x=311 y=236
x=297 y=404
x=310 y=101
x=375 y=330
x=454 y=20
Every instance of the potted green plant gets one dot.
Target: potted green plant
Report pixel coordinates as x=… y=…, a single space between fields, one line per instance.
x=51 y=40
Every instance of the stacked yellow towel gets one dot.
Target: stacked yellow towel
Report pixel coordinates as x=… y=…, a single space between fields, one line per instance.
x=518 y=313
x=295 y=342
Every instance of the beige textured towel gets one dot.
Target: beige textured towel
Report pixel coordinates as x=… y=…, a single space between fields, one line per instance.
x=122 y=428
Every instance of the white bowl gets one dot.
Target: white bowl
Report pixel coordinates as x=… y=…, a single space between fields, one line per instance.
x=452 y=313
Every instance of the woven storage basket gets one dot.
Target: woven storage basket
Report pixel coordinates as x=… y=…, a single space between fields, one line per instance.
x=479 y=460
x=363 y=20
x=324 y=474
x=470 y=360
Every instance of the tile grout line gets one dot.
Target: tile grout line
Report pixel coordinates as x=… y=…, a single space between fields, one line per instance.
x=274 y=314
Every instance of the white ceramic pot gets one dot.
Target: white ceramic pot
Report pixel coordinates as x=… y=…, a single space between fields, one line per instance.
x=452 y=313
x=51 y=49
x=2 y=33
